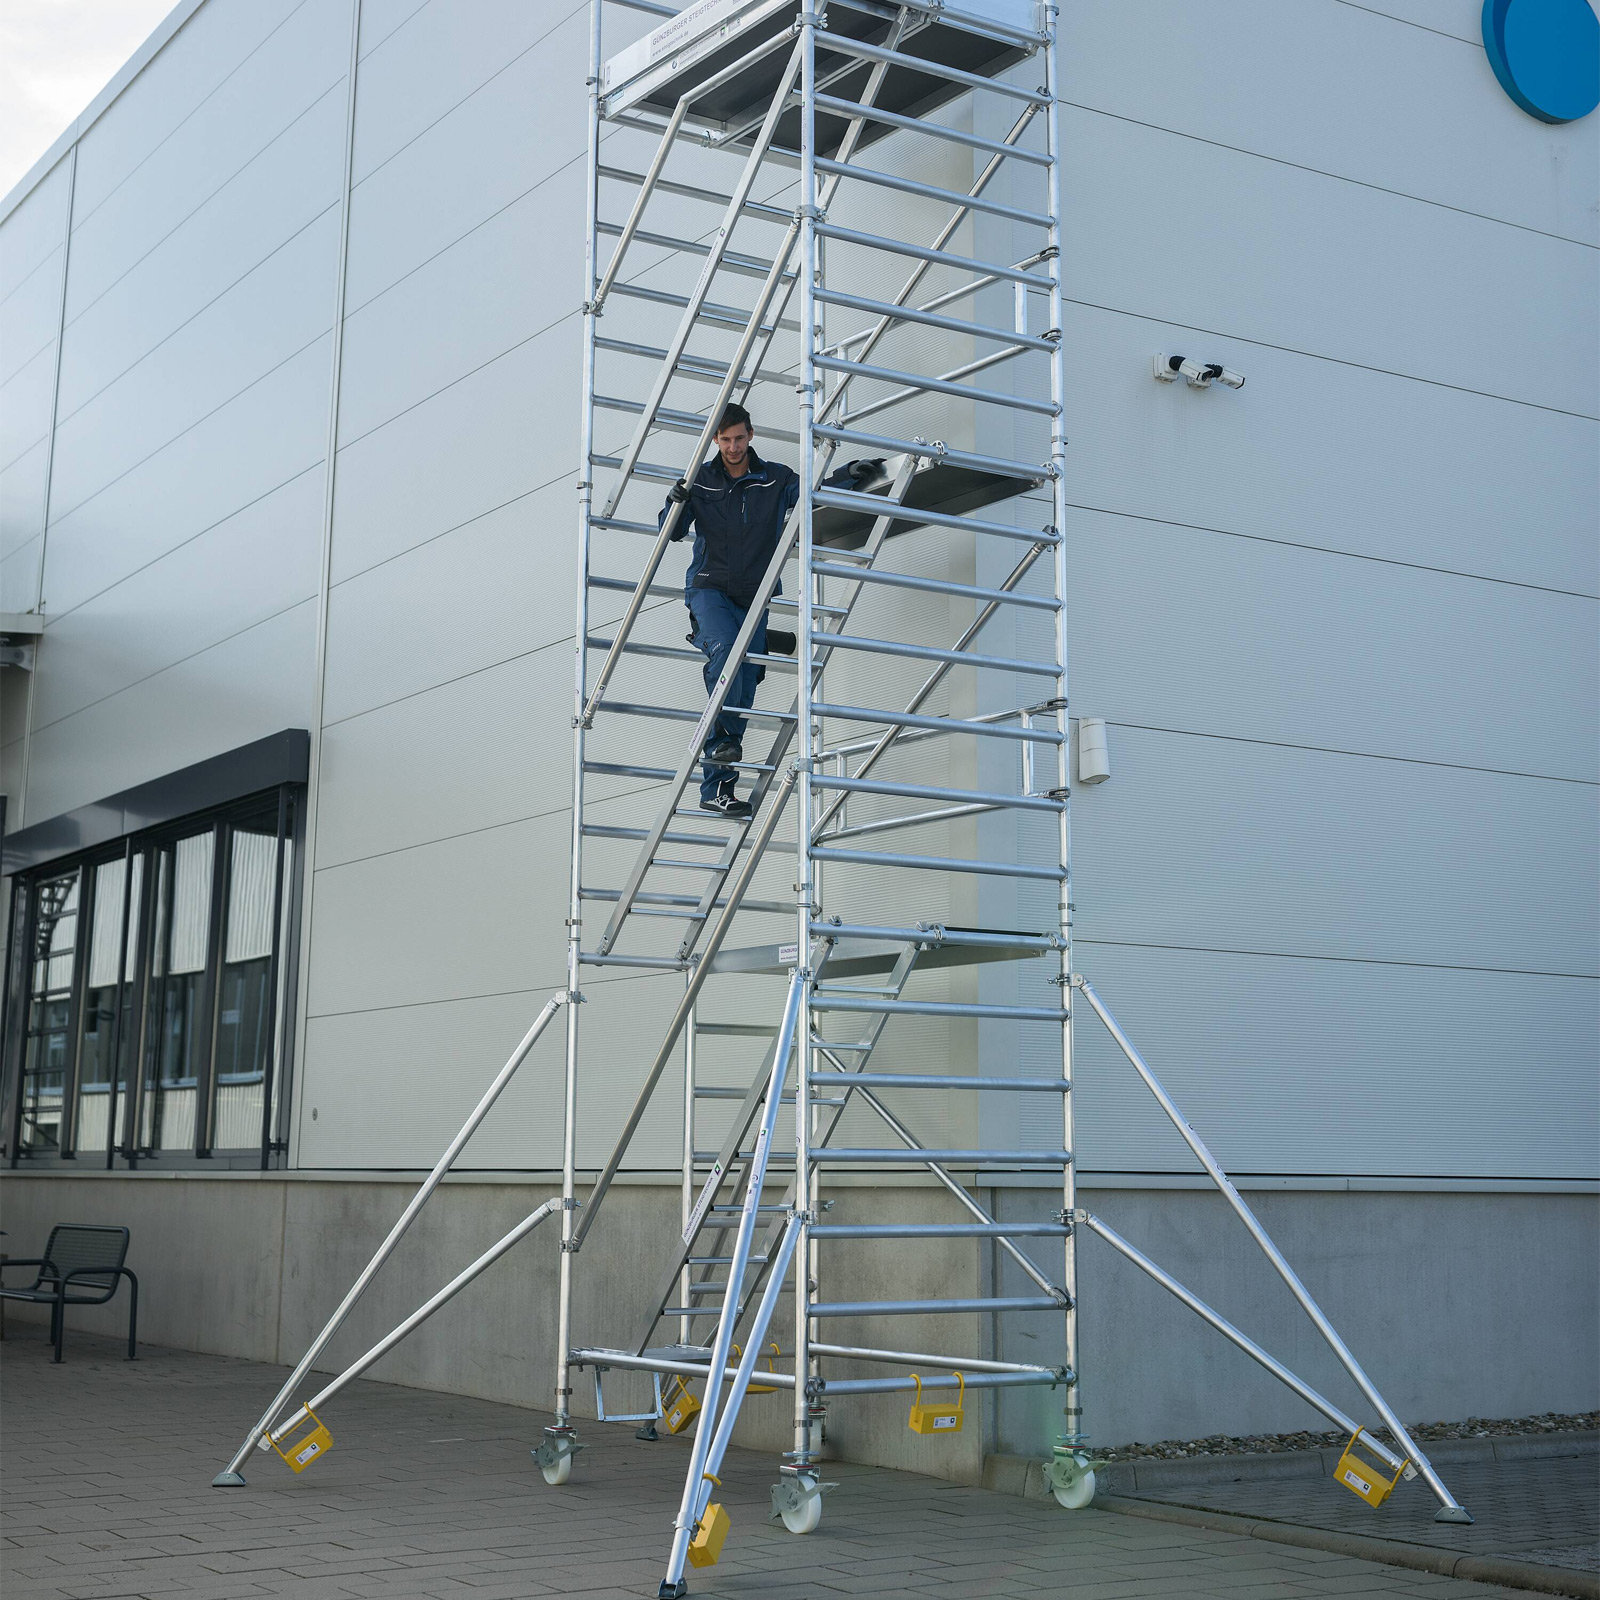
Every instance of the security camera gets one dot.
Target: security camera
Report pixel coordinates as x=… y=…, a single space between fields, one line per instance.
x=1197 y=374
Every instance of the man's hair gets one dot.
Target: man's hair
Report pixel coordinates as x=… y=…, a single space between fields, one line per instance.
x=733 y=416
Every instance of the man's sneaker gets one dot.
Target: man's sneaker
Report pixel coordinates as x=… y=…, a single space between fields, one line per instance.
x=724 y=752
x=726 y=804
x=780 y=642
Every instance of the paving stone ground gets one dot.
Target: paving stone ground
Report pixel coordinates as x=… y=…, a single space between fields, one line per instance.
x=106 y=1466
x=1545 y=1510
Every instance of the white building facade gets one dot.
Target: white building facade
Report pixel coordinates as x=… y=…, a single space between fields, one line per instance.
x=289 y=374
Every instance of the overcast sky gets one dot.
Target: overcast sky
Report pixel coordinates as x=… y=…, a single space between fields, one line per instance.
x=55 y=57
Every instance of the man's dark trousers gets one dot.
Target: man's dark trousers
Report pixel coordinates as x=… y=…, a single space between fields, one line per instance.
x=717 y=621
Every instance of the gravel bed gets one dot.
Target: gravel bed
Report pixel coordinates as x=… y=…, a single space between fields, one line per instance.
x=1270 y=1443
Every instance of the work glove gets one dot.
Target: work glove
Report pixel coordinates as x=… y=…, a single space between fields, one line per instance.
x=679 y=492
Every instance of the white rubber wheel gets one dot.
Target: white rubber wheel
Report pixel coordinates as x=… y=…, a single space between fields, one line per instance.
x=559 y=1473
x=806 y=1517
x=1078 y=1493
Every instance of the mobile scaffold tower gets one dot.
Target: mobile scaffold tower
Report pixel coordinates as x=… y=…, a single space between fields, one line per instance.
x=764 y=225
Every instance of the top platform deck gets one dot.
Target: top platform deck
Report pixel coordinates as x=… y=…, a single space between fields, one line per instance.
x=704 y=39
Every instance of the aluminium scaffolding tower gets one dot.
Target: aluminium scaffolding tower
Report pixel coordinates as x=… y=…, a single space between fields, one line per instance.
x=841 y=216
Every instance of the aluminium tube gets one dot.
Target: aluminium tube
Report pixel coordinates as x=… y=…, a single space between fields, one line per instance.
x=1073 y=1409
x=935 y=934
x=933 y=256
x=926 y=1308
x=916 y=863
x=967 y=1380
x=407 y=1217
x=807 y=879
x=421 y=1314
x=580 y=735
x=629 y=1362
x=1244 y=1342
x=690 y=1505
x=913 y=1358
x=937 y=69
x=755 y=1344
x=1307 y=1304
x=921 y=125
x=936 y=1080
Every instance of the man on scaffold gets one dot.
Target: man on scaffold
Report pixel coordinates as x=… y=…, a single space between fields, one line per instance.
x=737 y=506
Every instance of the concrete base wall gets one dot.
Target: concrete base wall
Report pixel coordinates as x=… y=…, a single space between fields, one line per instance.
x=1459 y=1304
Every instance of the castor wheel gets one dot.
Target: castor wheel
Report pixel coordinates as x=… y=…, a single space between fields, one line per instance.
x=1071 y=1480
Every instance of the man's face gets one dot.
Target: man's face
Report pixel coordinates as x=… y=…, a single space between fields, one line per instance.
x=734 y=445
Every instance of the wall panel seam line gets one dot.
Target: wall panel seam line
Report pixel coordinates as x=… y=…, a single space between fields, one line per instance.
x=460 y=378
x=1338 y=361
x=27 y=450
x=172 y=666
x=473 y=999
x=198 y=107
x=183 y=544
x=1389 y=16
x=450 y=110
x=49 y=474
x=1334 y=177
x=167 y=444
x=199 y=311
x=22 y=283
x=1357 y=755
x=1332 y=550
x=378 y=44
x=190 y=215
x=1359 y=961
x=540 y=332
x=490 y=666
x=455 y=527
x=157 y=41
x=449 y=245
x=472 y=833
x=23 y=365
x=320 y=670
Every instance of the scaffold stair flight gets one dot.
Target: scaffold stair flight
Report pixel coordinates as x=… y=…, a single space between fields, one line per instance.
x=847 y=220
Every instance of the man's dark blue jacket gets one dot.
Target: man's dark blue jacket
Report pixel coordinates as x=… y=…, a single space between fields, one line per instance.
x=736 y=524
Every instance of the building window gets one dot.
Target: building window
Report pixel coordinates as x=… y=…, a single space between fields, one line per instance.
x=156 y=1035
x=48 y=1043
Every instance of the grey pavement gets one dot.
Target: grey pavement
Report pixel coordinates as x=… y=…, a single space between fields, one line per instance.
x=1543 y=1508
x=106 y=1471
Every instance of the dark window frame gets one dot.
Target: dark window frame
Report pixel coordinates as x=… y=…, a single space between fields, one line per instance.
x=136 y=1060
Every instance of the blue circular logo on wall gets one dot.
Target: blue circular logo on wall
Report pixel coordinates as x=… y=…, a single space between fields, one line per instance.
x=1546 y=54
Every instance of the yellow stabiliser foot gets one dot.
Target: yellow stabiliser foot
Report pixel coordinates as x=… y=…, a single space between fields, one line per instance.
x=301 y=1452
x=930 y=1418
x=682 y=1411
x=709 y=1537
x=1362 y=1478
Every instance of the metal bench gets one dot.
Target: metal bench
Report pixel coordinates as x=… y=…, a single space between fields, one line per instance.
x=81 y=1266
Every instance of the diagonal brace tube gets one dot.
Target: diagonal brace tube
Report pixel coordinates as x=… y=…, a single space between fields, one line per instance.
x=1244 y=1342
x=420 y=1315
x=1340 y=1349
x=693 y=1497
x=697 y=1492
x=386 y=1249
